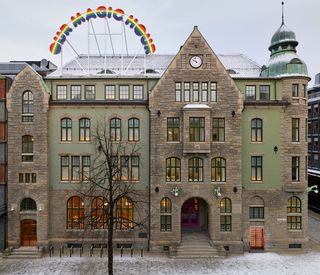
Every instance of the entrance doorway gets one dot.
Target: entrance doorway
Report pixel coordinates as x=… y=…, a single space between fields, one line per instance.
x=256 y=238
x=194 y=215
x=28 y=233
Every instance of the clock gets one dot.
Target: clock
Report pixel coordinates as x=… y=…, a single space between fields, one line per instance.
x=195 y=61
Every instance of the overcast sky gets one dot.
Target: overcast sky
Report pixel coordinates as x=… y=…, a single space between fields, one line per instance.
x=230 y=26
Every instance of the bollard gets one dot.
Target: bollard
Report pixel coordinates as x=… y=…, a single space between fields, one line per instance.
x=50 y=251
x=131 y=252
x=71 y=250
x=142 y=252
x=60 y=251
x=101 y=251
x=121 y=251
x=80 y=251
x=91 y=250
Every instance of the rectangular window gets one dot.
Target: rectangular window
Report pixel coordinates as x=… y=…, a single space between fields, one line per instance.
x=173 y=129
x=196 y=129
x=21 y=178
x=89 y=92
x=295 y=164
x=295 y=130
x=186 y=91
x=225 y=223
x=251 y=92
x=213 y=90
x=85 y=168
x=264 y=92
x=294 y=222
x=75 y=168
x=204 y=91
x=218 y=129
x=304 y=87
x=306 y=130
x=195 y=92
x=124 y=92
x=76 y=92
x=138 y=92
x=135 y=168
x=110 y=91
x=61 y=92
x=124 y=163
x=27 y=177
x=256 y=168
x=178 y=91
x=33 y=177
x=65 y=168
x=256 y=212
x=165 y=221
x=295 y=90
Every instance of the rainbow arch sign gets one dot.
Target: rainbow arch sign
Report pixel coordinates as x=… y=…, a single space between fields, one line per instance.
x=102 y=12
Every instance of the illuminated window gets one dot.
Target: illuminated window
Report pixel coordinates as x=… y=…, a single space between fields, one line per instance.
x=294 y=213
x=173 y=169
x=195 y=172
x=115 y=129
x=124 y=213
x=99 y=213
x=75 y=213
x=27 y=148
x=218 y=169
x=165 y=214
x=225 y=215
x=218 y=129
x=173 y=129
x=256 y=168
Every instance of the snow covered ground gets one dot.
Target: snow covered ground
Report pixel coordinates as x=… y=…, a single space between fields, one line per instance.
x=262 y=263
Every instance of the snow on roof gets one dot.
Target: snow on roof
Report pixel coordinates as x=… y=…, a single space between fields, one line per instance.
x=283 y=57
x=196 y=106
x=130 y=66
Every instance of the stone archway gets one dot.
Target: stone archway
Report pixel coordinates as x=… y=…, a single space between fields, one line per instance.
x=28 y=235
x=194 y=215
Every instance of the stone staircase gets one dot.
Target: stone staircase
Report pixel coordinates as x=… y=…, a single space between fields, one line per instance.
x=23 y=252
x=197 y=245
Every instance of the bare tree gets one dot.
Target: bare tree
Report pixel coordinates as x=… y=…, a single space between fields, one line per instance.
x=110 y=185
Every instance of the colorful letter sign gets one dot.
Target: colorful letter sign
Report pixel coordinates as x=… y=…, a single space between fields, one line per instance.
x=102 y=12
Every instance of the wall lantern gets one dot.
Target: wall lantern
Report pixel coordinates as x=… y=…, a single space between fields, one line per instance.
x=313 y=188
x=175 y=191
x=235 y=189
x=159 y=113
x=156 y=189
x=233 y=113
x=217 y=192
x=275 y=149
x=12 y=208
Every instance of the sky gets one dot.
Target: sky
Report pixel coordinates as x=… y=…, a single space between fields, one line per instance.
x=229 y=26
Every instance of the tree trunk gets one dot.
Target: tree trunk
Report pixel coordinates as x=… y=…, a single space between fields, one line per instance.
x=110 y=234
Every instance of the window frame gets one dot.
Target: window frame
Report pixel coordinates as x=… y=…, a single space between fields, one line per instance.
x=66 y=129
x=294 y=213
x=195 y=169
x=173 y=164
x=115 y=129
x=255 y=168
x=248 y=90
x=90 y=90
x=261 y=92
x=75 y=205
x=28 y=204
x=63 y=92
x=255 y=128
x=99 y=213
x=213 y=91
x=84 y=129
x=220 y=169
x=165 y=215
x=225 y=206
x=107 y=93
x=122 y=92
x=173 y=124
x=124 y=213
x=295 y=129
x=135 y=97
x=178 y=91
x=134 y=129
x=27 y=106
x=27 y=148
x=295 y=168
x=295 y=90
x=197 y=129
x=218 y=129
x=73 y=97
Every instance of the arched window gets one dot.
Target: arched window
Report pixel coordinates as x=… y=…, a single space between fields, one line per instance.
x=66 y=129
x=218 y=169
x=165 y=214
x=256 y=130
x=27 y=106
x=173 y=169
x=28 y=204
x=294 y=218
x=195 y=172
x=133 y=129
x=225 y=214
x=256 y=208
x=115 y=129
x=75 y=213
x=124 y=213
x=84 y=129
x=99 y=213
x=27 y=148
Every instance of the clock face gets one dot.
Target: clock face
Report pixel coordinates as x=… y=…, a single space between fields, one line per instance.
x=195 y=61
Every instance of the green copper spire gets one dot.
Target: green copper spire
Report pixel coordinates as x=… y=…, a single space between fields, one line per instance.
x=284 y=60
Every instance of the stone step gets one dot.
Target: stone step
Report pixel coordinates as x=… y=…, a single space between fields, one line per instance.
x=23 y=256
x=24 y=253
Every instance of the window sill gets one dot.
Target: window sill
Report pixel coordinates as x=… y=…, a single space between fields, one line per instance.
x=256 y=142
x=84 y=141
x=66 y=142
x=294 y=230
x=173 y=142
x=256 y=181
x=256 y=220
x=218 y=141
